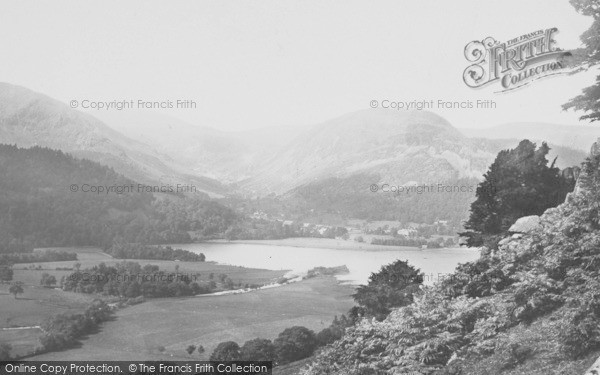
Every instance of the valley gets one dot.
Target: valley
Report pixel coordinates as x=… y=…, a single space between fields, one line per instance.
x=273 y=210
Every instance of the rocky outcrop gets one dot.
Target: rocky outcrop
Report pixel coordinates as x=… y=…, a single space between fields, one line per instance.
x=526 y=224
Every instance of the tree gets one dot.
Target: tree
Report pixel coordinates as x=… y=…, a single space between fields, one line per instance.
x=6 y=273
x=200 y=349
x=327 y=336
x=16 y=288
x=48 y=280
x=258 y=350
x=294 y=343
x=226 y=351
x=588 y=57
x=190 y=349
x=518 y=183
x=392 y=286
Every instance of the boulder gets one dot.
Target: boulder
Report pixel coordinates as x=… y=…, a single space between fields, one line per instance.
x=526 y=224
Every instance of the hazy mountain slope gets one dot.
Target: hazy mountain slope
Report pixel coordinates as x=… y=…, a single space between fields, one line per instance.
x=29 y=119
x=575 y=137
x=226 y=156
x=399 y=146
x=565 y=156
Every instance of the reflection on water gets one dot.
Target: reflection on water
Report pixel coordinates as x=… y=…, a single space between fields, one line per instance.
x=435 y=263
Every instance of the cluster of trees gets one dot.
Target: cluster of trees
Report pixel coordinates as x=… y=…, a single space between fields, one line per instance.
x=6 y=273
x=204 y=219
x=48 y=280
x=400 y=241
x=122 y=250
x=39 y=256
x=42 y=211
x=258 y=229
x=63 y=330
x=291 y=345
x=16 y=288
x=518 y=183
x=130 y=280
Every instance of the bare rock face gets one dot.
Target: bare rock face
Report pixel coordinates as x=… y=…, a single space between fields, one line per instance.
x=526 y=224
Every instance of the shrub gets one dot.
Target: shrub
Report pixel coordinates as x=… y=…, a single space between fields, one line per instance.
x=516 y=354
x=190 y=349
x=258 y=350
x=392 y=286
x=327 y=336
x=582 y=333
x=226 y=351
x=294 y=343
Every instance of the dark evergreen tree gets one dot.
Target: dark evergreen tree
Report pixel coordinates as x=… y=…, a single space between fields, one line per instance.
x=588 y=57
x=519 y=183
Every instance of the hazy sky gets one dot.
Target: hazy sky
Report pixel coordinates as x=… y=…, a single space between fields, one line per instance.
x=252 y=64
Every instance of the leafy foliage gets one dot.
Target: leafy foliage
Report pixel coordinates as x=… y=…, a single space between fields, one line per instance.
x=257 y=350
x=294 y=343
x=226 y=351
x=588 y=57
x=16 y=288
x=48 y=280
x=38 y=256
x=129 y=279
x=392 y=286
x=63 y=330
x=122 y=250
x=42 y=211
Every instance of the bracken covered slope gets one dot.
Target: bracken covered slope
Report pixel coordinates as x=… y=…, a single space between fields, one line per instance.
x=532 y=307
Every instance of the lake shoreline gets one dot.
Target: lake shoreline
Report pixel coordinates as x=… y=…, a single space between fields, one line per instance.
x=317 y=243
x=326 y=243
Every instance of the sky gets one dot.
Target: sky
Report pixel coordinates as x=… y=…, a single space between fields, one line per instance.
x=254 y=64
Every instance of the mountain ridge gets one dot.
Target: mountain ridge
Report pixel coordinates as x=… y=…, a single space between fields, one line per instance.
x=28 y=118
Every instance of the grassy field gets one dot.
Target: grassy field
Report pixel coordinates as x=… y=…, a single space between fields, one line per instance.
x=142 y=331
x=89 y=257
x=37 y=303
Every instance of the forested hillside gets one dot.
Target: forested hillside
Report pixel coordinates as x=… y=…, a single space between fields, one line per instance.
x=40 y=207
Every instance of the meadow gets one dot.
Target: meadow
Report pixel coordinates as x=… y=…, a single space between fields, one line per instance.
x=38 y=303
x=163 y=328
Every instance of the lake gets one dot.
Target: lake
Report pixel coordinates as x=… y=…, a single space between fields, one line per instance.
x=435 y=263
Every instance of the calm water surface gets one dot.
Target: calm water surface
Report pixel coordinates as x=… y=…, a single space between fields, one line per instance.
x=435 y=263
